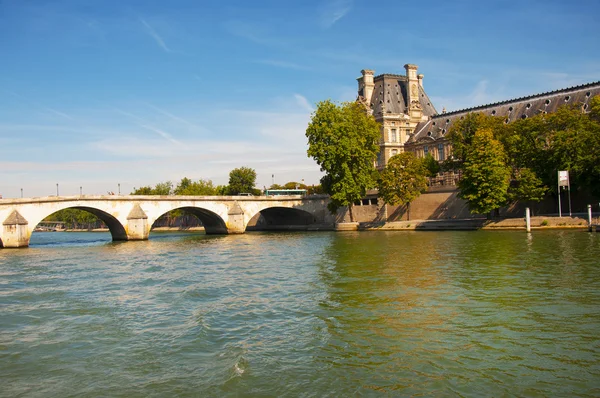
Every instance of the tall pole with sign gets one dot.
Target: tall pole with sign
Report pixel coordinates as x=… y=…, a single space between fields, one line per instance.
x=563 y=181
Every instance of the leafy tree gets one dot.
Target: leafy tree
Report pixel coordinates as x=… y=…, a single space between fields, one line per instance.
x=147 y=190
x=403 y=179
x=242 y=180
x=526 y=186
x=315 y=190
x=343 y=141
x=462 y=132
x=162 y=188
x=200 y=187
x=76 y=219
x=486 y=177
x=431 y=165
x=294 y=185
x=221 y=190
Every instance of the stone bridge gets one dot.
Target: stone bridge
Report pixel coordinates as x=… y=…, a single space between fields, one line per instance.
x=131 y=217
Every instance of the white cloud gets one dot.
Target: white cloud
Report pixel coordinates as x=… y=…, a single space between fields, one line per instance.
x=303 y=102
x=332 y=11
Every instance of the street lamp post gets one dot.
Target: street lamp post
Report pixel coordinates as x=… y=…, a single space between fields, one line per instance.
x=119 y=189
x=21 y=192
x=80 y=190
x=57 y=189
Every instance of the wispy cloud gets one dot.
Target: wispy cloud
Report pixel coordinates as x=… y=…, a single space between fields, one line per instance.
x=332 y=11
x=144 y=124
x=303 y=102
x=39 y=106
x=169 y=114
x=59 y=113
x=159 y=40
x=163 y=134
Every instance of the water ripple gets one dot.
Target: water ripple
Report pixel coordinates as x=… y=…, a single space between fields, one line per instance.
x=302 y=314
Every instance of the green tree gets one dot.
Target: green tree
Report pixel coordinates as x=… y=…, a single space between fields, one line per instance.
x=526 y=186
x=485 y=180
x=431 y=165
x=403 y=179
x=146 y=190
x=242 y=180
x=462 y=132
x=343 y=139
x=162 y=188
x=294 y=185
x=199 y=188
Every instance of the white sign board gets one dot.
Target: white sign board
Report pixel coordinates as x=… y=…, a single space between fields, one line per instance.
x=563 y=178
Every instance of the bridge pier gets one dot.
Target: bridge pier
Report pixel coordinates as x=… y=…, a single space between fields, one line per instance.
x=235 y=222
x=137 y=224
x=15 y=231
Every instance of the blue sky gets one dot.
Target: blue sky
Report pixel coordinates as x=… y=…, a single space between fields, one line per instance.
x=133 y=92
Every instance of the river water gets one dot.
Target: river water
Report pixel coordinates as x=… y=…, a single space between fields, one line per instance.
x=326 y=314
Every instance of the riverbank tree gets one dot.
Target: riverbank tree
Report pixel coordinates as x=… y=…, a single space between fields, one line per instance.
x=486 y=177
x=342 y=139
x=535 y=149
x=242 y=180
x=403 y=179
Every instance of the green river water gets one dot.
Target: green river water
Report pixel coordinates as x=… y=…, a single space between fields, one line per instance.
x=326 y=314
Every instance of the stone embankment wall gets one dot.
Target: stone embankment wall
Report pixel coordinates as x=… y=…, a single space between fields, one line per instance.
x=444 y=204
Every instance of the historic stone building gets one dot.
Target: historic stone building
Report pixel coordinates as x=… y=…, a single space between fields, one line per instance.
x=410 y=122
x=399 y=103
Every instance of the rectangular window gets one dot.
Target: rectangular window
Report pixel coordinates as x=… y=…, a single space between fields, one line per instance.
x=394 y=136
x=441 y=152
x=425 y=150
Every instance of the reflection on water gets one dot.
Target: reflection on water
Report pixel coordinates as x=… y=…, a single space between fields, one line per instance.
x=302 y=314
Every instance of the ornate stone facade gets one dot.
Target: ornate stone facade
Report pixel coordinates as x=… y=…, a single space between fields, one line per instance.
x=409 y=121
x=399 y=103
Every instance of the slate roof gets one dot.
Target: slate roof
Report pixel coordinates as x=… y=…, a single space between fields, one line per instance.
x=390 y=96
x=511 y=109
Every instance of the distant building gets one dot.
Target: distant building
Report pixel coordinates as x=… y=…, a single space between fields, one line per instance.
x=410 y=122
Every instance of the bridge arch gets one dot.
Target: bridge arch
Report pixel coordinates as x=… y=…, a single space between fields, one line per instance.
x=117 y=230
x=281 y=218
x=212 y=222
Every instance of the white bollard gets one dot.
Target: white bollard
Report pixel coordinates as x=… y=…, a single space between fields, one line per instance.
x=527 y=219
x=590 y=218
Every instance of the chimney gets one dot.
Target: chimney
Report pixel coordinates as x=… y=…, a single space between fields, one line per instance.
x=420 y=76
x=366 y=85
x=414 y=103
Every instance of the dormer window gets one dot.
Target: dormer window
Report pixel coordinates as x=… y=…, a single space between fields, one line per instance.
x=567 y=98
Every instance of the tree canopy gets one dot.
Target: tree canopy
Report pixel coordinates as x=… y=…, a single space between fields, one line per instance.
x=403 y=179
x=486 y=177
x=242 y=180
x=343 y=139
x=200 y=187
x=536 y=148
